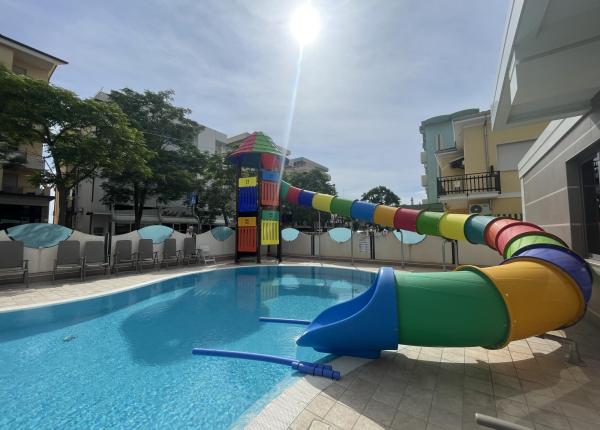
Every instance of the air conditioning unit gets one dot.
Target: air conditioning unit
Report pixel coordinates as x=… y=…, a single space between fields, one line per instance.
x=480 y=209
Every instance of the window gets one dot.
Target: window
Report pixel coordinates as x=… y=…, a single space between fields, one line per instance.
x=122 y=228
x=508 y=155
x=219 y=147
x=19 y=70
x=439 y=142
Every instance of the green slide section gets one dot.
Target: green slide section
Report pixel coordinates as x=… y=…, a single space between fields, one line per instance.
x=450 y=309
x=341 y=207
x=429 y=223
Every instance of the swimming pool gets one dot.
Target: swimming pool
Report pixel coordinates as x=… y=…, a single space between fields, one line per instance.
x=124 y=360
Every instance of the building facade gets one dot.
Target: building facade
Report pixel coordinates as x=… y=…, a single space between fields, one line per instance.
x=550 y=69
x=21 y=202
x=302 y=165
x=94 y=217
x=438 y=134
x=479 y=174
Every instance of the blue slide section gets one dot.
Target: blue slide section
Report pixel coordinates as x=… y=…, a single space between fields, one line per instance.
x=360 y=327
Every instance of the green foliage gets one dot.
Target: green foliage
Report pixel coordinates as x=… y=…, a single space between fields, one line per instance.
x=216 y=189
x=82 y=138
x=381 y=195
x=173 y=160
x=317 y=181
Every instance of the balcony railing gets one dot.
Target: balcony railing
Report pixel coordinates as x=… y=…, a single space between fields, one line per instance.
x=30 y=191
x=485 y=182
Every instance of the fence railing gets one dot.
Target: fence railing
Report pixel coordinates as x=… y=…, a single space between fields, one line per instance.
x=472 y=183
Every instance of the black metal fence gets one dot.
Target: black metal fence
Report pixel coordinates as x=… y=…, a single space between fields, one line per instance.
x=466 y=184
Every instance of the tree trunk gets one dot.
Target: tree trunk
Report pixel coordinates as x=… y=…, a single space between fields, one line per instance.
x=225 y=217
x=62 y=193
x=139 y=200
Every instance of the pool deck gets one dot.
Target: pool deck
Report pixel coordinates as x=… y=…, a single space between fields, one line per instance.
x=529 y=382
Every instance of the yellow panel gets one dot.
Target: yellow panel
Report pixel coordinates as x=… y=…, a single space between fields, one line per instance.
x=539 y=296
x=384 y=215
x=452 y=226
x=322 y=202
x=269 y=232
x=247 y=182
x=247 y=221
x=269 y=290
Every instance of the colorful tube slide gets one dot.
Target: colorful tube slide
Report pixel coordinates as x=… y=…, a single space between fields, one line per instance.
x=540 y=286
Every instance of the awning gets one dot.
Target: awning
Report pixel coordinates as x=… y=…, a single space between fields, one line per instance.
x=24 y=199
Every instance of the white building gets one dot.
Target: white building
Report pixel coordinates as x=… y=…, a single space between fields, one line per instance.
x=210 y=140
x=302 y=164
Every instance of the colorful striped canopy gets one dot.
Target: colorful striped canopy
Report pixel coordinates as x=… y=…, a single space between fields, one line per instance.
x=251 y=151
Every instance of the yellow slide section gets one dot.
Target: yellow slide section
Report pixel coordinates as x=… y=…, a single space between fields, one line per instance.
x=539 y=296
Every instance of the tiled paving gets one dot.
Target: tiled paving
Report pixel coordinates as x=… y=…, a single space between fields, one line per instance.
x=529 y=382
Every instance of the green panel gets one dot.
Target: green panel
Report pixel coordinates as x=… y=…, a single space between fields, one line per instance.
x=283 y=189
x=531 y=239
x=270 y=215
x=341 y=207
x=429 y=223
x=453 y=309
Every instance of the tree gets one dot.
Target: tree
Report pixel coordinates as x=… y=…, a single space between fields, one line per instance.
x=216 y=190
x=317 y=181
x=81 y=138
x=173 y=160
x=381 y=195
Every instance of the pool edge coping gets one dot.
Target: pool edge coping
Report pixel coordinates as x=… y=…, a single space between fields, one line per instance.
x=284 y=408
x=135 y=286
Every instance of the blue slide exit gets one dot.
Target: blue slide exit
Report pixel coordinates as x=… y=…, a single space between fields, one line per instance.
x=362 y=326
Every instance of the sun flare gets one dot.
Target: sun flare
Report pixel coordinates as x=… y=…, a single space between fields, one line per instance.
x=305 y=24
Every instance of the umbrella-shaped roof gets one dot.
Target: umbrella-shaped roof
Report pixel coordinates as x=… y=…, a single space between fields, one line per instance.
x=250 y=150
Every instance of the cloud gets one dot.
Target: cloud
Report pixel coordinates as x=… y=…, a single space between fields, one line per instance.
x=376 y=71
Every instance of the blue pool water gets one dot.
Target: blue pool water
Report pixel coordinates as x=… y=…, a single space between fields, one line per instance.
x=124 y=360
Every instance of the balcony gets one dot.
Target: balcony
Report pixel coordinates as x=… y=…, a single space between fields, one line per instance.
x=485 y=182
x=29 y=160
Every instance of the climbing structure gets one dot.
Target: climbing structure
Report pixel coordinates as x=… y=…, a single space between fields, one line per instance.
x=259 y=166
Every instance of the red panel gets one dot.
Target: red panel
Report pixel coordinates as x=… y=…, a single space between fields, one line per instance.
x=246 y=292
x=406 y=219
x=493 y=228
x=510 y=231
x=269 y=161
x=269 y=194
x=246 y=239
x=293 y=195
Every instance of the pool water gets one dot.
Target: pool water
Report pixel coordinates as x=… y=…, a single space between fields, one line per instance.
x=124 y=360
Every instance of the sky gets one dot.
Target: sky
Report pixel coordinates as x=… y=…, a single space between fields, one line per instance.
x=376 y=70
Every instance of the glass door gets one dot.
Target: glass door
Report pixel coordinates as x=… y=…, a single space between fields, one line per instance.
x=591 y=204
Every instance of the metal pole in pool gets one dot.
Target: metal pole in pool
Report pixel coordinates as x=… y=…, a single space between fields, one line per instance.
x=319 y=234
x=402 y=247
x=352 y=242
x=444 y=255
